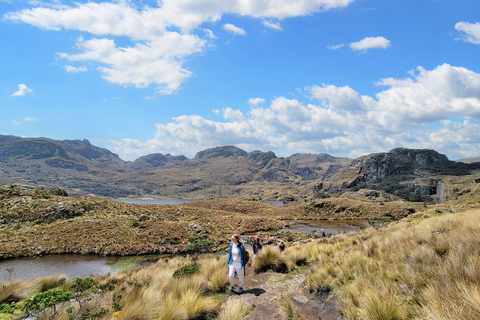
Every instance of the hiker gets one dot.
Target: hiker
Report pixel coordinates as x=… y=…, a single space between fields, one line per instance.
x=236 y=262
x=257 y=246
x=281 y=246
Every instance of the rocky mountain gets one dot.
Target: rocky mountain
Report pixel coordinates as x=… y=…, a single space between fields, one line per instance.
x=228 y=171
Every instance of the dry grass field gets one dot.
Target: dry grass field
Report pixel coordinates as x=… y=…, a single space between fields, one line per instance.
x=423 y=266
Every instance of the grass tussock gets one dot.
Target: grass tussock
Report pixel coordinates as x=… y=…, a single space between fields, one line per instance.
x=19 y=290
x=234 y=310
x=267 y=258
x=290 y=313
x=411 y=269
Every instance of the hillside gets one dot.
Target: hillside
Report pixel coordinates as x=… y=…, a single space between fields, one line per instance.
x=422 y=266
x=228 y=172
x=39 y=221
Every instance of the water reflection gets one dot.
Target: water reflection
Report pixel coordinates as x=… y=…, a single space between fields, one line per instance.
x=71 y=266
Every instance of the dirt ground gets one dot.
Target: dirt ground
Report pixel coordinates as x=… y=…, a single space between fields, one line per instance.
x=264 y=290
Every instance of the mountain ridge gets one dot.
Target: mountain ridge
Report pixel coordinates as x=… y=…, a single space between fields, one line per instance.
x=225 y=172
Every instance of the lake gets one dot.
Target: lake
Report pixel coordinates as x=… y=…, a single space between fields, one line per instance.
x=70 y=265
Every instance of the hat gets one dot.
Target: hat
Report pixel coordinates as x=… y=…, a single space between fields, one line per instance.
x=256 y=238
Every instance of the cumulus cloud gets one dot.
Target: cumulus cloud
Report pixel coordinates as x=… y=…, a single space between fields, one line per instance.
x=272 y=25
x=471 y=31
x=255 y=101
x=233 y=29
x=72 y=69
x=339 y=120
x=161 y=37
x=370 y=43
x=22 y=90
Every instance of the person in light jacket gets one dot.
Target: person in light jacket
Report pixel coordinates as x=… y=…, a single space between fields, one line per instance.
x=236 y=262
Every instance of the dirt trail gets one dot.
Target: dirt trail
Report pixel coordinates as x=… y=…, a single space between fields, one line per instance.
x=264 y=290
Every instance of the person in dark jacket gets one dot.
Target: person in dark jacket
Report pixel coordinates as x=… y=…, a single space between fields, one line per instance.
x=257 y=246
x=236 y=262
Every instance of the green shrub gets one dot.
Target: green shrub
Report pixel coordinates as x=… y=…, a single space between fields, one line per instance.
x=107 y=286
x=116 y=303
x=7 y=307
x=82 y=285
x=198 y=245
x=187 y=269
x=46 y=299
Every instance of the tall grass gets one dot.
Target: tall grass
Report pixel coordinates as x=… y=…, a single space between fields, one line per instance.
x=233 y=309
x=290 y=313
x=411 y=269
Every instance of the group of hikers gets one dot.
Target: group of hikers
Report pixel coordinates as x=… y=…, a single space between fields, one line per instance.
x=237 y=259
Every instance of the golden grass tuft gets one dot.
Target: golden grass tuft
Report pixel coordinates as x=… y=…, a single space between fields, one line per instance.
x=233 y=309
x=290 y=313
x=18 y=290
x=267 y=258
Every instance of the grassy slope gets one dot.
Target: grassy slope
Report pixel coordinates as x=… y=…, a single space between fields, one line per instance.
x=424 y=266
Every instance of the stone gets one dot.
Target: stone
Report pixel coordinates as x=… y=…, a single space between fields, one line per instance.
x=301 y=299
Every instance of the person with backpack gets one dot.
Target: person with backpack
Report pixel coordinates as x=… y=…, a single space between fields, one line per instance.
x=257 y=246
x=237 y=259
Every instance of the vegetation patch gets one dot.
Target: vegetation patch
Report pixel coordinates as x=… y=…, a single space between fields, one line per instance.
x=187 y=269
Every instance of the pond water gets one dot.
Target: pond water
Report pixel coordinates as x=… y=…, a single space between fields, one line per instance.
x=328 y=226
x=70 y=265
x=178 y=201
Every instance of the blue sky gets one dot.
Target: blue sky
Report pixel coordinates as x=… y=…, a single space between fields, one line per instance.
x=344 y=77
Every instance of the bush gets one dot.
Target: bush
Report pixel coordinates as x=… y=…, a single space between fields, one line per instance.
x=187 y=269
x=46 y=299
x=7 y=308
x=82 y=285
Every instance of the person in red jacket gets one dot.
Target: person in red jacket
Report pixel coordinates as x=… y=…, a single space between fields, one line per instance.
x=257 y=246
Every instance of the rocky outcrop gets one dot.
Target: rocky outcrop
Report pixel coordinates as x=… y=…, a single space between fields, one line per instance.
x=403 y=161
x=259 y=159
x=157 y=160
x=226 y=151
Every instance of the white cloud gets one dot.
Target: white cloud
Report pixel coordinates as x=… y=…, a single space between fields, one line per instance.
x=209 y=34
x=471 y=30
x=233 y=29
x=272 y=25
x=235 y=115
x=158 y=61
x=22 y=90
x=256 y=101
x=30 y=119
x=335 y=47
x=340 y=120
x=161 y=36
x=72 y=69
x=370 y=43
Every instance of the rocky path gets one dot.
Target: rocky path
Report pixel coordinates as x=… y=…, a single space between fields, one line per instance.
x=264 y=291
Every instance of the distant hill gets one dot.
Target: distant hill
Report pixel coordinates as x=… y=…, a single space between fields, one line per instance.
x=226 y=172
x=470 y=160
